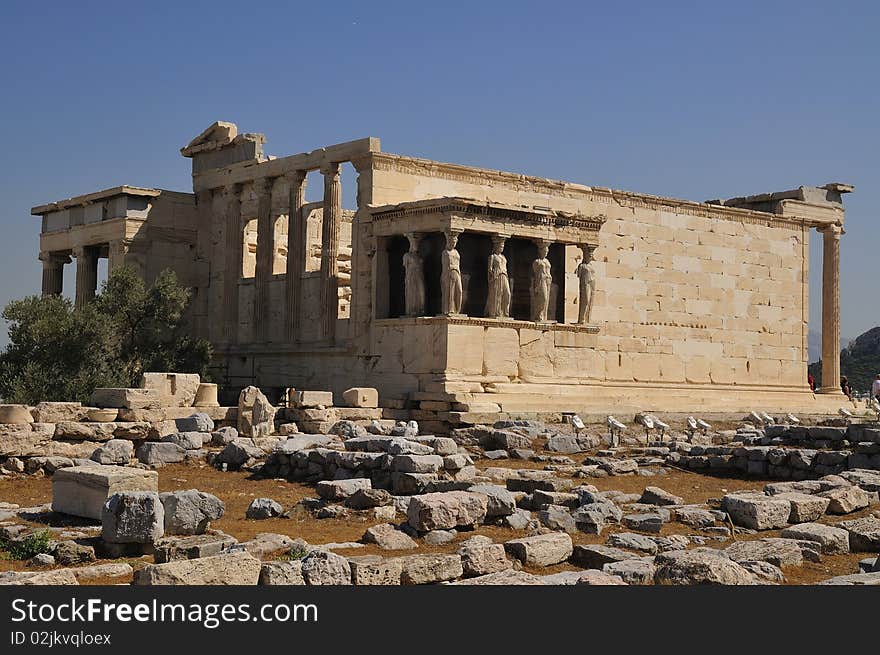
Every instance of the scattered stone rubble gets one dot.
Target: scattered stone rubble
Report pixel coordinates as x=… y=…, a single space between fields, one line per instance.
x=420 y=489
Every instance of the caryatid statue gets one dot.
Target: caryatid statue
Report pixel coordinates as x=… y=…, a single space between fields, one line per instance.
x=415 y=277
x=498 y=301
x=541 y=283
x=586 y=284
x=450 y=277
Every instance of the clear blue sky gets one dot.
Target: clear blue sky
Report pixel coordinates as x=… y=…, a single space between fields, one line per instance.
x=694 y=100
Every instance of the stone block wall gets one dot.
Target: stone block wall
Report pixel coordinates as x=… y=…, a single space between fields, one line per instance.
x=688 y=293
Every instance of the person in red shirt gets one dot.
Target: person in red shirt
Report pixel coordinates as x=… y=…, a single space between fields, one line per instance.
x=811 y=381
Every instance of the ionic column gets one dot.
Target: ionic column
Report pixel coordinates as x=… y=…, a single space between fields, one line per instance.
x=265 y=256
x=330 y=251
x=296 y=253
x=86 y=274
x=232 y=269
x=53 y=272
x=831 y=309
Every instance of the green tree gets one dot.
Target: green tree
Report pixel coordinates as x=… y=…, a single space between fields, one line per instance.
x=148 y=331
x=56 y=352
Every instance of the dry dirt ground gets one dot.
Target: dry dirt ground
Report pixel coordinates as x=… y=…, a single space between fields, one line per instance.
x=237 y=489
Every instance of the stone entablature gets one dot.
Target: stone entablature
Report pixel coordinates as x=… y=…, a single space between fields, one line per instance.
x=490 y=218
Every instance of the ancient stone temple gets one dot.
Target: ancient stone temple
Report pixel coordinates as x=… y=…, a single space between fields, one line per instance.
x=457 y=290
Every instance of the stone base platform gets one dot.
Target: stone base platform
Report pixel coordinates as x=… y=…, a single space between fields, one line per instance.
x=624 y=398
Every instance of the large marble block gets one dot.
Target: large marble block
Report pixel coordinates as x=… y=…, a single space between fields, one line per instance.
x=82 y=490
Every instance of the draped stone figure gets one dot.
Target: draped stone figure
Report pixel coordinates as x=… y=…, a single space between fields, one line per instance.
x=587 y=285
x=415 y=278
x=450 y=277
x=541 y=282
x=498 y=301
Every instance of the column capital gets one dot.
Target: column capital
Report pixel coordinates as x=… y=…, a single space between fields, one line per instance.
x=587 y=249
x=833 y=230
x=230 y=189
x=296 y=176
x=499 y=238
x=54 y=257
x=263 y=185
x=78 y=251
x=414 y=238
x=362 y=163
x=330 y=168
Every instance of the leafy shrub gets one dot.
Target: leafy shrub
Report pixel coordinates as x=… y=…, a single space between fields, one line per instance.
x=33 y=544
x=57 y=352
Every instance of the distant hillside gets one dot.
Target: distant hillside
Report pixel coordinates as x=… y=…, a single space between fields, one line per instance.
x=859 y=361
x=814 y=345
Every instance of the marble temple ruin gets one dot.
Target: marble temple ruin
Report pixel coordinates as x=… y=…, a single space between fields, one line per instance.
x=459 y=292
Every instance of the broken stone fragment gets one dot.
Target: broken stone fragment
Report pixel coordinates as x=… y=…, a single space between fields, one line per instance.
x=15 y=414
x=372 y=570
x=341 y=489
x=256 y=415
x=833 y=541
x=657 y=496
x=845 y=500
x=360 y=397
x=699 y=566
x=756 y=510
x=541 y=550
x=446 y=510
x=322 y=567
x=153 y=453
x=232 y=568
x=190 y=512
x=133 y=517
x=115 y=451
x=263 y=508
x=388 y=537
x=429 y=569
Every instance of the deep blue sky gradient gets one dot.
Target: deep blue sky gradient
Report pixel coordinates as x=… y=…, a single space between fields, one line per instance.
x=695 y=100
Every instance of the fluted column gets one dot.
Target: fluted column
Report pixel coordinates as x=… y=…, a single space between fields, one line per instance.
x=86 y=274
x=265 y=257
x=53 y=272
x=330 y=251
x=296 y=253
x=831 y=309
x=232 y=269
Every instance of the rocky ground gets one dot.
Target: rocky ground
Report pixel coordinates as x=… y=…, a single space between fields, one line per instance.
x=515 y=504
